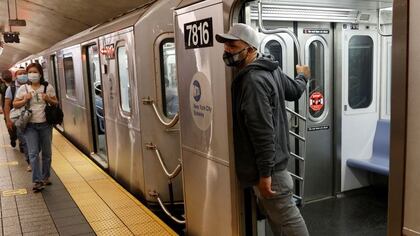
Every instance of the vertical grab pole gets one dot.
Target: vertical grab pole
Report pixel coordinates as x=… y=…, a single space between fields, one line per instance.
x=278 y=30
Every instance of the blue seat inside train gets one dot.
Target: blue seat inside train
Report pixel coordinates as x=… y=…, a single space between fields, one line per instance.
x=379 y=162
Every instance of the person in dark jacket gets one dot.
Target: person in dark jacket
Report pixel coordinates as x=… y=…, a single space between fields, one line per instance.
x=8 y=81
x=260 y=126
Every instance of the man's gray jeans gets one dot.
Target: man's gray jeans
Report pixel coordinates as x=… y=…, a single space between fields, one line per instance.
x=282 y=213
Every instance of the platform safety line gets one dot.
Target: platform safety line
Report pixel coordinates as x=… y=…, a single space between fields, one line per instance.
x=135 y=200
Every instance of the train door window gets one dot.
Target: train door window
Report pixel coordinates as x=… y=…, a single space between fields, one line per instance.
x=69 y=76
x=272 y=45
x=124 y=79
x=317 y=83
x=45 y=70
x=53 y=66
x=360 y=72
x=97 y=103
x=168 y=78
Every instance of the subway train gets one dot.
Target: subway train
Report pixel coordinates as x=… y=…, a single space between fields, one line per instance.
x=147 y=96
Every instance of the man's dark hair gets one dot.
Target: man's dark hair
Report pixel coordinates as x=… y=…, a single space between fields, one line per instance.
x=7 y=76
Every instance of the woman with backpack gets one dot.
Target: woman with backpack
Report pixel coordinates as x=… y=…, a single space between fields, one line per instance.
x=38 y=133
x=21 y=79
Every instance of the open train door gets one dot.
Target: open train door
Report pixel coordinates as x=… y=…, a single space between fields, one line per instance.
x=206 y=131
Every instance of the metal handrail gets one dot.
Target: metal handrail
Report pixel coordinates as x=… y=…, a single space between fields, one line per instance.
x=296 y=114
x=296 y=177
x=278 y=30
x=156 y=195
x=170 y=124
x=170 y=175
x=297 y=136
x=297 y=156
x=379 y=26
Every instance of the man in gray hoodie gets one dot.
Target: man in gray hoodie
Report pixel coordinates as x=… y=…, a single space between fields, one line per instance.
x=260 y=126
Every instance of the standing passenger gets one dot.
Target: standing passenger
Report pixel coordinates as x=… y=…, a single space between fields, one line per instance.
x=21 y=79
x=260 y=127
x=8 y=81
x=38 y=133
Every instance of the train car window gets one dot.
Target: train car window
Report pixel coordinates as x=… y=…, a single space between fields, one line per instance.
x=360 y=77
x=317 y=82
x=168 y=78
x=274 y=48
x=124 y=79
x=94 y=71
x=69 y=76
x=45 y=70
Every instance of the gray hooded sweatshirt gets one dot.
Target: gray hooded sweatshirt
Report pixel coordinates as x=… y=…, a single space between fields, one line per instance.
x=260 y=125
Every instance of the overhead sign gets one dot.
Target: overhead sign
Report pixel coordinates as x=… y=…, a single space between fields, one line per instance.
x=316 y=101
x=198 y=34
x=17 y=22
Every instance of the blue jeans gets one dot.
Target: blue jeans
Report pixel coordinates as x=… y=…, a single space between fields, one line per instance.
x=38 y=137
x=22 y=143
x=283 y=215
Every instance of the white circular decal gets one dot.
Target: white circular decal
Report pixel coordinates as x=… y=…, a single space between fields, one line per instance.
x=201 y=102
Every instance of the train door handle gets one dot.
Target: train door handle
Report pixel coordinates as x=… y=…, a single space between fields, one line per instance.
x=170 y=124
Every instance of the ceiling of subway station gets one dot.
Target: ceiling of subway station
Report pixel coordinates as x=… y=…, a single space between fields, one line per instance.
x=50 y=21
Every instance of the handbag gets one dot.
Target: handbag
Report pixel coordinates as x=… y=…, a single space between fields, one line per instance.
x=53 y=113
x=25 y=114
x=24 y=118
x=15 y=113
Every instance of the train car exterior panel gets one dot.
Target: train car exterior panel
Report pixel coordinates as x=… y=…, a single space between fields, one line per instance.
x=122 y=115
x=153 y=39
x=205 y=137
x=72 y=93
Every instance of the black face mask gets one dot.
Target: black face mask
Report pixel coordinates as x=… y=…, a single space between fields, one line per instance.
x=234 y=59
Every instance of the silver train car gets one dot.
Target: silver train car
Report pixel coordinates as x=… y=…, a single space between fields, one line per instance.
x=122 y=83
x=117 y=87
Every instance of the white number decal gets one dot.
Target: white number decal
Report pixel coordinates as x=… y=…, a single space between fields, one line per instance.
x=206 y=35
x=199 y=34
x=189 y=34
x=194 y=35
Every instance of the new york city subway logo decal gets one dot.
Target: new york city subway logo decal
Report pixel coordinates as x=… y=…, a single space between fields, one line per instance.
x=201 y=101
x=316 y=101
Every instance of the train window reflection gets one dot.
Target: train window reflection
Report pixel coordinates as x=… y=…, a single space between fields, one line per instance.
x=45 y=70
x=274 y=48
x=124 y=79
x=360 y=81
x=317 y=82
x=168 y=78
x=69 y=76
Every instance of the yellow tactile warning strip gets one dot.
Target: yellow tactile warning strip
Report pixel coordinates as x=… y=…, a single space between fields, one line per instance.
x=107 y=206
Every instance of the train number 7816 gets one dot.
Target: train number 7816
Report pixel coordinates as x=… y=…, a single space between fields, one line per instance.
x=198 y=34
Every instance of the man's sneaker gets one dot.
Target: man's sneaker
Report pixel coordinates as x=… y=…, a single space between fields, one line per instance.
x=29 y=168
x=38 y=187
x=13 y=143
x=46 y=182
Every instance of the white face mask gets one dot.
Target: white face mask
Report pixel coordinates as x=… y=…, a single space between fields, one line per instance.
x=34 y=77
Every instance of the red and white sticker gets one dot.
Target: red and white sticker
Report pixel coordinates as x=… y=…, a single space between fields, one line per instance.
x=316 y=101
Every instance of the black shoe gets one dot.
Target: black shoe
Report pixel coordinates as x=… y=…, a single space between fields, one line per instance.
x=46 y=182
x=13 y=143
x=38 y=187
